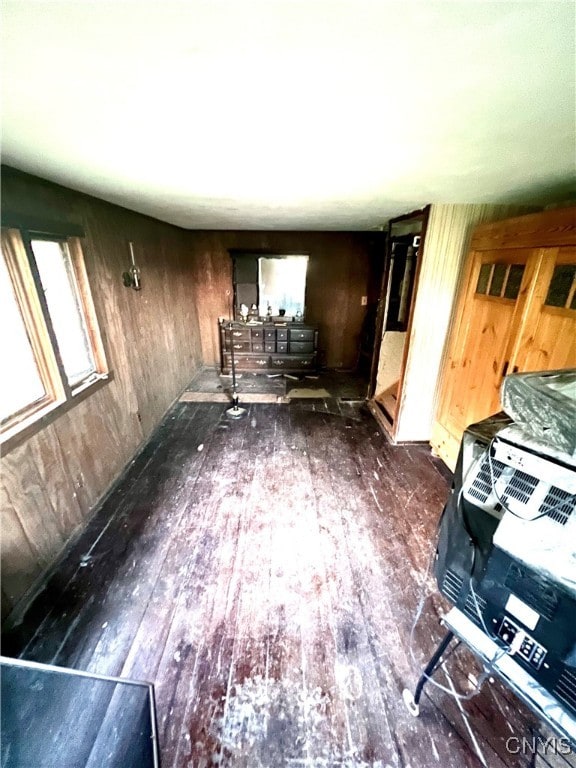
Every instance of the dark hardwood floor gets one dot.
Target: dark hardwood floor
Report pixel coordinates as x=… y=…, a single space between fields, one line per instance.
x=264 y=574
x=211 y=386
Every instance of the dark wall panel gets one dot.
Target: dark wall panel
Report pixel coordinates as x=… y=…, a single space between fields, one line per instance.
x=52 y=481
x=338 y=276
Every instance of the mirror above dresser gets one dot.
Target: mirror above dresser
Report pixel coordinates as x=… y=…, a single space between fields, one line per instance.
x=269 y=286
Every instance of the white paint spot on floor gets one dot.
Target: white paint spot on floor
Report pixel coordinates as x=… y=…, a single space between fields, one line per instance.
x=375 y=498
x=349 y=679
x=434 y=749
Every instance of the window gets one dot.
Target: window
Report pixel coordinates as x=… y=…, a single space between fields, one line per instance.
x=562 y=289
x=64 y=306
x=52 y=347
x=401 y=280
x=24 y=385
x=500 y=280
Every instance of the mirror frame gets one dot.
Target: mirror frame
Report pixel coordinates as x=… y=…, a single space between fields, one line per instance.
x=245 y=275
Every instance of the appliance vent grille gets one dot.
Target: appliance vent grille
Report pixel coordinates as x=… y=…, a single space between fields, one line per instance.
x=537 y=592
x=520 y=487
x=565 y=688
x=482 y=485
x=560 y=503
x=451 y=585
x=470 y=608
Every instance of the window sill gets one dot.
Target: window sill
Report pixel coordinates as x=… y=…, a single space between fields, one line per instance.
x=21 y=432
x=88 y=383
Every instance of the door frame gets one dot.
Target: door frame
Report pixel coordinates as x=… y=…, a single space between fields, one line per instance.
x=421 y=214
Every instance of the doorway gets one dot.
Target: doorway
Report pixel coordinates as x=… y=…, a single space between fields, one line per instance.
x=376 y=249
x=394 y=315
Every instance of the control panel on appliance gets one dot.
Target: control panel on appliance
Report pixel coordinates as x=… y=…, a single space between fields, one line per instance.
x=521 y=643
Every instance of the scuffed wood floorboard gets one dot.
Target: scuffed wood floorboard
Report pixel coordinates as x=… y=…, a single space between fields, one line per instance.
x=264 y=574
x=370 y=615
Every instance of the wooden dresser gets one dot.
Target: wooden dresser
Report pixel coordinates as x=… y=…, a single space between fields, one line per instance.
x=268 y=347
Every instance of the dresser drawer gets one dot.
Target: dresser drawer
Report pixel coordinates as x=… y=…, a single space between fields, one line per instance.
x=257 y=334
x=304 y=362
x=282 y=347
x=256 y=362
x=270 y=346
x=282 y=334
x=301 y=347
x=247 y=362
x=257 y=346
x=239 y=346
x=301 y=334
x=270 y=334
x=239 y=334
x=292 y=362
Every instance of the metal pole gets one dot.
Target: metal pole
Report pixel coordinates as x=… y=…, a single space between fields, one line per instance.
x=235 y=412
x=412 y=702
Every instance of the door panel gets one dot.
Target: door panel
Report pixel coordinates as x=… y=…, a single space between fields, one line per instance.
x=490 y=311
x=516 y=311
x=548 y=338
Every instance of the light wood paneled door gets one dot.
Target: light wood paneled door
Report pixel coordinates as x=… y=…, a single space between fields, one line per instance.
x=548 y=338
x=516 y=312
x=493 y=304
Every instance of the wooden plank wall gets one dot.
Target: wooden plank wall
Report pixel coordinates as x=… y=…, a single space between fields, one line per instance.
x=52 y=481
x=339 y=274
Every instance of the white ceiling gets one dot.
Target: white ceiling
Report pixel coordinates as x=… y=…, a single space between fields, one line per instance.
x=292 y=114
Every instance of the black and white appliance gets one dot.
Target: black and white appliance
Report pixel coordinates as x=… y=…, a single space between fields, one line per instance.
x=506 y=552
